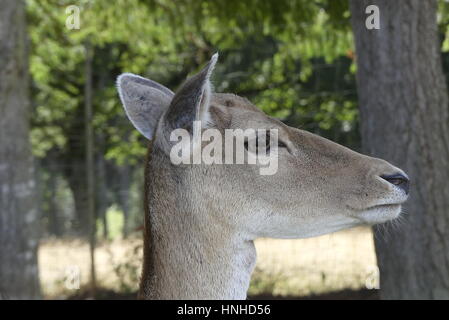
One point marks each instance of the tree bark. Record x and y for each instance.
(76, 176)
(54, 221)
(90, 178)
(75, 172)
(124, 173)
(404, 118)
(102, 191)
(18, 214)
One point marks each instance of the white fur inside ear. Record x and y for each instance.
(212, 63)
(203, 114)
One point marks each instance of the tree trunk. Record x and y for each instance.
(75, 172)
(90, 164)
(54, 221)
(18, 214)
(76, 176)
(123, 193)
(404, 119)
(102, 191)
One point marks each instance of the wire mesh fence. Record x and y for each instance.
(324, 104)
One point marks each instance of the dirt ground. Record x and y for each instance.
(336, 266)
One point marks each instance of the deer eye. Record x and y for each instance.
(258, 143)
(267, 143)
(281, 144)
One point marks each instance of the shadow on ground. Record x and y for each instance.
(363, 294)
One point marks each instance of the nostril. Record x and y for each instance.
(398, 180)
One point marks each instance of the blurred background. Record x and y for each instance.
(71, 164)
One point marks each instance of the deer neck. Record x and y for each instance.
(188, 253)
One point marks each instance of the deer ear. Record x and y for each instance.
(191, 101)
(144, 101)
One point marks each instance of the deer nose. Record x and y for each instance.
(399, 180)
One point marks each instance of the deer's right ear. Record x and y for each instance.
(144, 101)
(192, 100)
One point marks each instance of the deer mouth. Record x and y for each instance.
(379, 213)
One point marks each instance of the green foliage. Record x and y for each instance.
(291, 58)
(167, 40)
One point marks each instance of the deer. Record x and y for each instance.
(201, 220)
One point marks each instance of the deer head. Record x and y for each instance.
(319, 187)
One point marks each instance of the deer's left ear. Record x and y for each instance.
(191, 102)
